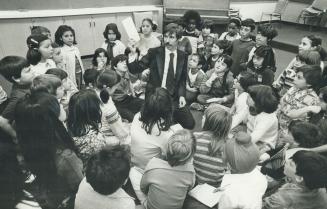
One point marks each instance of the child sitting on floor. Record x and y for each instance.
(218, 88)
(240, 109)
(208, 158)
(195, 78)
(306, 172)
(262, 125)
(300, 100)
(178, 170)
(106, 172)
(246, 185)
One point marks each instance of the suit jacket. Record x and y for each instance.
(155, 61)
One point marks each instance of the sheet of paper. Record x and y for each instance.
(204, 194)
(130, 29)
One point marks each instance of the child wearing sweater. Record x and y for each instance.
(177, 169)
(218, 88)
(195, 78)
(106, 172)
(242, 46)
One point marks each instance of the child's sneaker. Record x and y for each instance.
(197, 106)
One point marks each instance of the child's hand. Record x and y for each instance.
(132, 44)
(100, 65)
(314, 109)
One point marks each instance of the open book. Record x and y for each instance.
(205, 194)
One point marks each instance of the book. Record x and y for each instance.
(205, 194)
(130, 29)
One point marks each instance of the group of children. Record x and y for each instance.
(71, 137)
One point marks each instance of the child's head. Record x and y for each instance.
(194, 61)
(305, 134)
(111, 32)
(84, 112)
(62, 75)
(40, 133)
(265, 34)
(119, 64)
(207, 27)
(244, 80)
(157, 111)
(105, 82)
(310, 42)
(180, 148)
(221, 47)
(247, 27)
(263, 57)
(65, 35)
(323, 98)
(90, 77)
(192, 20)
(241, 153)
(107, 170)
(48, 83)
(41, 30)
(100, 55)
(148, 26)
(223, 64)
(39, 48)
(308, 76)
(309, 57)
(57, 55)
(234, 26)
(262, 98)
(16, 70)
(218, 122)
(307, 168)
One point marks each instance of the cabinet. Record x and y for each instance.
(88, 29)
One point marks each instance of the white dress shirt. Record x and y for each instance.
(167, 59)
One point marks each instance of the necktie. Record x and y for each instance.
(110, 49)
(170, 82)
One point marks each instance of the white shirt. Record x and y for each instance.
(167, 59)
(264, 129)
(241, 109)
(42, 67)
(243, 190)
(118, 49)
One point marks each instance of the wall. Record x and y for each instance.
(70, 4)
(253, 9)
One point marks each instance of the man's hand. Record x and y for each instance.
(182, 102)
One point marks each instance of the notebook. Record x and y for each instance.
(205, 194)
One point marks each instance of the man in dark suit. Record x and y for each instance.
(168, 69)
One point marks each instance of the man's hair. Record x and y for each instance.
(107, 170)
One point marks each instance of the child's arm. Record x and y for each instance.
(145, 183)
(6, 127)
(320, 149)
(294, 114)
(207, 82)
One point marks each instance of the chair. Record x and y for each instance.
(313, 12)
(278, 12)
